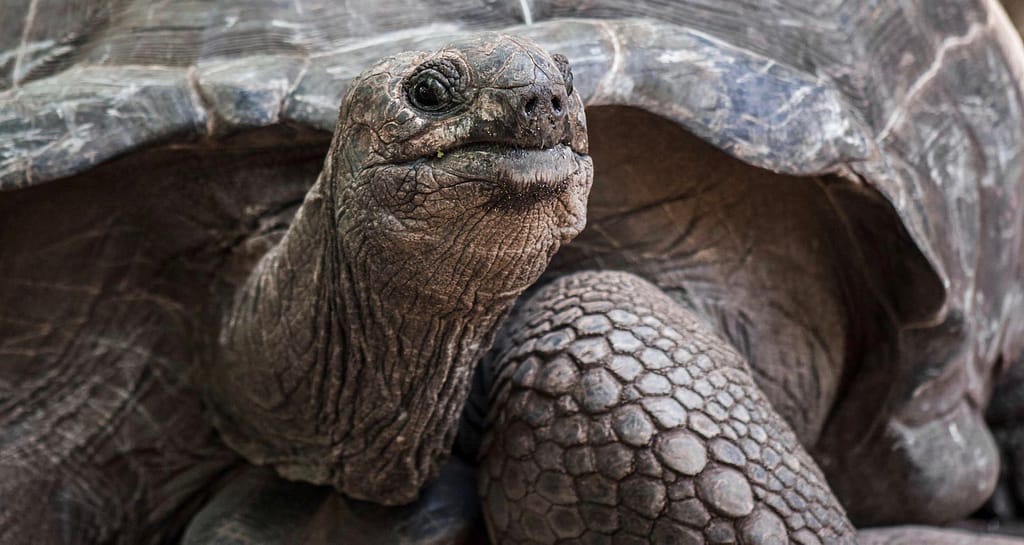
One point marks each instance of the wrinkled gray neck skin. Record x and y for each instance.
(346, 356)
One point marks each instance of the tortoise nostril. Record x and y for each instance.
(540, 115)
(556, 105)
(530, 106)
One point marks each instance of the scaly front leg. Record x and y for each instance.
(619, 418)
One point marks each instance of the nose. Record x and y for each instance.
(542, 117)
(549, 102)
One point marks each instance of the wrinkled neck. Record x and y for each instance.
(337, 374)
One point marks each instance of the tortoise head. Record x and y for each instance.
(452, 179)
(463, 165)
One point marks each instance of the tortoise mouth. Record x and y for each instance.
(523, 171)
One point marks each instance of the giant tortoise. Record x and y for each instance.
(803, 248)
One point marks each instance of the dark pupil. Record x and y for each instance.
(429, 93)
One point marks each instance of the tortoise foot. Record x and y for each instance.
(618, 418)
(923, 535)
(259, 507)
(934, 473)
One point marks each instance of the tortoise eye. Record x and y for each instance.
(436, 86)
(429, 94)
